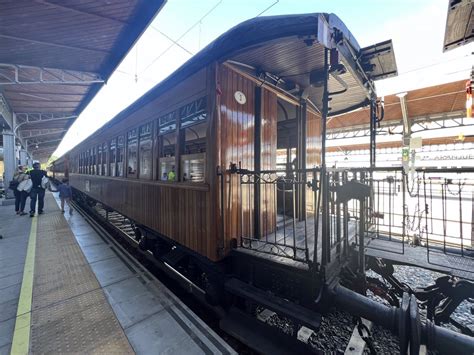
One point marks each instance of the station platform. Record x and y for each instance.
(66, 289)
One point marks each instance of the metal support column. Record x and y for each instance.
(257, 157)
(301, 188)
(23, 157)
(373, 132)
(8, 160)
(325, 237)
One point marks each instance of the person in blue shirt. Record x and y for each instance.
(65, 194)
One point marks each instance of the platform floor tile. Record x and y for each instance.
(70, 313)
(15, 230)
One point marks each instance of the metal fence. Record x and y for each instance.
(305, 215)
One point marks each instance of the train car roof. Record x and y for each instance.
(289, 49)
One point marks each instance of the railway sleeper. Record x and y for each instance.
(261, 337)
(252, 280)
(277, 304)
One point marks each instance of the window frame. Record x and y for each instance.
(131, 135)
(114, 162)
(141, 137)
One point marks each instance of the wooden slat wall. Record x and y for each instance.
(313, 140)
(237, 146)
(268, 161)
(177, 213)
(313, 152)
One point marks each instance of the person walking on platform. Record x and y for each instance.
(65, 194)
(38, 189)
(21, 191)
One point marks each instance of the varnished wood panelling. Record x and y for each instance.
(237, 146)
(313, 140)
(177, 213)
(313, 153)
(237, 127)
(268, 161)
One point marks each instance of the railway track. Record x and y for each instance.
(336, 329)
(333, 336)
(119, 231)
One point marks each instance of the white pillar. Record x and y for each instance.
(9, 160)
(23, 158)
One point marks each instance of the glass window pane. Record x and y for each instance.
(145, 153)
(167, 123)
(193, 112)
(132, 152)
(193, 154)
(99, 160)
(104, 159)
(120, 148)
(167, 157)
(112, 149)
(94, 162)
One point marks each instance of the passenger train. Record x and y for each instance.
(221, 166)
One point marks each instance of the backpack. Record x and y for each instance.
(45, 182)
(13, 184)
(25, 185)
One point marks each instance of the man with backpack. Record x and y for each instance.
(39, 179)
(19, 180)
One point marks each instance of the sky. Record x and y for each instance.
(416, 28)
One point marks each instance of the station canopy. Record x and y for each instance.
(55, 56)
(421, 106)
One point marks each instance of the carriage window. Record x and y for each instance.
(112, 156)
(88, 161)
(193, 157)
(120, 151)
(104, 159)
(80, 163)
(145, 153)
(193, 113)
(167, 123)
(94, 161)
(132, 151)
(91, 163)
(167, 157)
(99, 160)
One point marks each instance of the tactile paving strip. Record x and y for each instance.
(70, 313)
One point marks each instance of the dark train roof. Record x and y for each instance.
(290, 47)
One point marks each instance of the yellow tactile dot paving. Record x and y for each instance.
(69, 311)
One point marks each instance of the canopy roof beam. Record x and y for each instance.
(35, 133)
(82, 12)
(25, 118)
(5, 111)
(41, 143)
(52, 44)
(12, 74)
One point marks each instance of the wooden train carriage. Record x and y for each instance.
(253, 97)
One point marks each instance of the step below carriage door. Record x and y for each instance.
(265, 156)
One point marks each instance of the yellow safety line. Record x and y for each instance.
(21, 334)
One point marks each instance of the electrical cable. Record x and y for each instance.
(268, 8)
(180, 37)
(172, 40)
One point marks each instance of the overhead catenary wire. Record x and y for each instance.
(268, 8)
(180, 37)
(172, 40)
(198, 23)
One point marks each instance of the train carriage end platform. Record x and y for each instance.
(66, 289)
